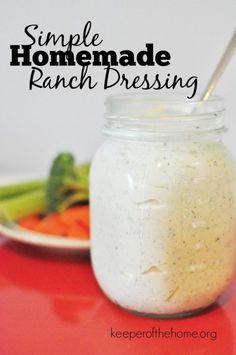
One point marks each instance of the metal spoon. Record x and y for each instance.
(225, 59)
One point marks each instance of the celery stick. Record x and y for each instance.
(14, 189)
(14, 208)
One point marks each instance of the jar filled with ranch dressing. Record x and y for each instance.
(163, 205)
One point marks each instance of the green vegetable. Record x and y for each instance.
(67, 183)
(14, 208)
(11, 190)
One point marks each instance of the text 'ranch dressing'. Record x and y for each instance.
(163, 206)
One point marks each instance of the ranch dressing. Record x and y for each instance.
(163, 211)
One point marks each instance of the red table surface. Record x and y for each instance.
(50, 304)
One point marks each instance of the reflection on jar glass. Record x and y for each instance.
(163, 205)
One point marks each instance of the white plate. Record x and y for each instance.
(14, 232)
(23, 235)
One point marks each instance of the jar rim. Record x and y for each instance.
(150, 115)
(151, 105)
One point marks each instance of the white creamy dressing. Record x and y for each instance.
(163, 223)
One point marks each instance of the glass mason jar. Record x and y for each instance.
(163, 205)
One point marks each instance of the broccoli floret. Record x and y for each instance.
(67, 183)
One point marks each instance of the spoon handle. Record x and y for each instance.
(229, 52)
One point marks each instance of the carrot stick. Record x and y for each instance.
(79, 214)
(29, 222)
(76, 230)
(71, 223)
(51, 224)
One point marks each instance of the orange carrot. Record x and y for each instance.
(79, 214)
(77, 230)
(72, 223)
(51, 224)
(29, 222)
(84, 215)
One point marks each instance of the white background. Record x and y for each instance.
(36, 124)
